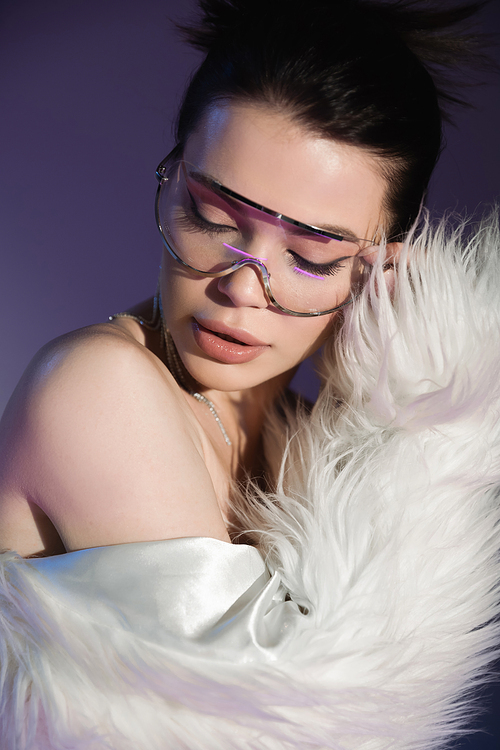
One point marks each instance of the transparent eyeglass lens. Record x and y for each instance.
(307, 272)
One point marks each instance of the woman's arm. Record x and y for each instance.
(99, 447)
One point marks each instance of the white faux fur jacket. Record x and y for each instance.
(376, 618)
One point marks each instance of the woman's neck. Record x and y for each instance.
(243, 414)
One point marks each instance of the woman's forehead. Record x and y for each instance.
(262, 154)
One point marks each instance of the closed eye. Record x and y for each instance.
(193, 214)
(315, 269)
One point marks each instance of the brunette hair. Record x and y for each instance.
(352, 70)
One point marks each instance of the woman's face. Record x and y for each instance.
(227, 333)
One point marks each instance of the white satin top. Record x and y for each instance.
(196, 594)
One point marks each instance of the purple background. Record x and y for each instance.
(88, 90)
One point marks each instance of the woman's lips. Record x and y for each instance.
(243, 349)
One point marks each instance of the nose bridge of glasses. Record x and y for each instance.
(252, 263)
(246, 278)
(243, 257)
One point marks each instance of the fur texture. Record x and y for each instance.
(384, 527)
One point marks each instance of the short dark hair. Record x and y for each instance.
(351, 70)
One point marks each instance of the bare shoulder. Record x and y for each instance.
(98, 441)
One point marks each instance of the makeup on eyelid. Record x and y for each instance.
(326, 268)
(323, 268)
(295, 227)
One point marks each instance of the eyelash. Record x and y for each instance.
(318, 269)
(192, 219)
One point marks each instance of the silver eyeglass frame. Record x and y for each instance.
(162, 178)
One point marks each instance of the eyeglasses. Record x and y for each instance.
(214, 231)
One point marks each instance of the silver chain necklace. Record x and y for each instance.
(173, 361)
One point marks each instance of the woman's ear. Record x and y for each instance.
(392, 253)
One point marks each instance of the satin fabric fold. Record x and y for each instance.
(196, 594)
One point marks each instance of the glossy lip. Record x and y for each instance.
(226, 352)
(236, 333)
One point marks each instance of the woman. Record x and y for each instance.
(124, 443)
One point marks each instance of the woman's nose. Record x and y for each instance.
(244, 287)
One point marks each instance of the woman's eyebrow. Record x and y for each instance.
(294, 226)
